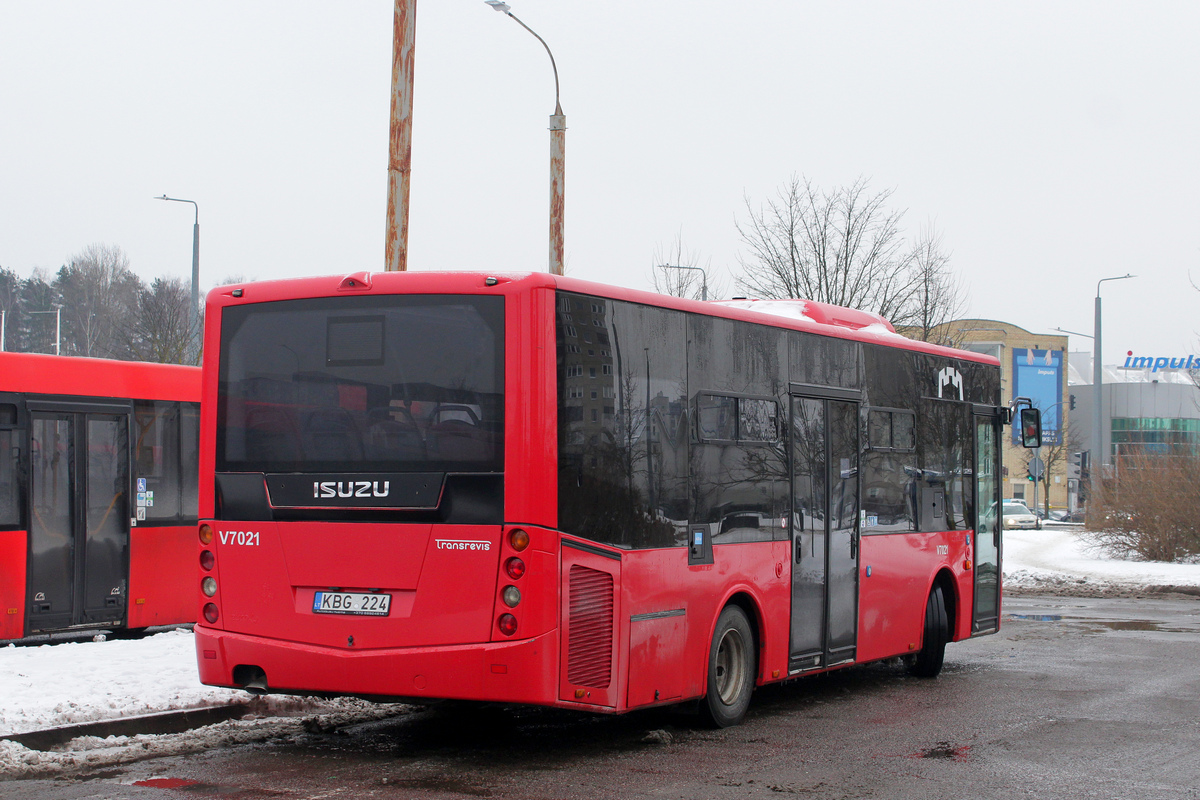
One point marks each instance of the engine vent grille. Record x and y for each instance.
(589, 645)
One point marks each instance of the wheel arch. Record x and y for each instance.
(945, 579)
(749, 604)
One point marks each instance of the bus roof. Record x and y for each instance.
(39, 373)
(802, 315)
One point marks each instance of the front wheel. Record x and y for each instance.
(731, 669)
(928, 662)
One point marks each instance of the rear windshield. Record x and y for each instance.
(362, 384)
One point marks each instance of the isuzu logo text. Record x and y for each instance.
(350, 489)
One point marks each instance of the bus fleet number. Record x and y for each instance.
(239, 537)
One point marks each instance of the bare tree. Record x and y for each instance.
(940, 297)
(161, 327)
(843, 247)
(688, 282)
(99, 296)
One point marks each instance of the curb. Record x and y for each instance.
(163, 722)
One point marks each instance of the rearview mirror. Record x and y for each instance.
(1031, 427)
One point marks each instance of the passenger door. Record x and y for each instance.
(825, 531)
(986, 613)
(79, 516)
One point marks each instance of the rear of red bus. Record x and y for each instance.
(377, 488)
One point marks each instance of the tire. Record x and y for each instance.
(928, 662)
(732, 670)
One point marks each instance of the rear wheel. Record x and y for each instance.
(929, 659)
(731, 669)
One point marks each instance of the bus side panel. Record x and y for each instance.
(652, 581)
(163, 575)
(13, 546)
(531, 415)
(901, 567)
(591, 627)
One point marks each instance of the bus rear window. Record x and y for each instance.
(396, 383)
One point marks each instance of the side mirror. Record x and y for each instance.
(1031, 427)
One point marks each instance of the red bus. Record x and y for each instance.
(98, 479)
(533, 489)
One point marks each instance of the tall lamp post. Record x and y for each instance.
(194, 314)
(558, 144)
(1100, 454)
(57, 312)
(703, 277)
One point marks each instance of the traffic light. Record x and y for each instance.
(1072, 403)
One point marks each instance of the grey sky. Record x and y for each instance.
(1051, 143)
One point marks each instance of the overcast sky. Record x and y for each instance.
(1051, 143)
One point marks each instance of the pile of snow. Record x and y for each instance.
(1066, 560)
(51, 685)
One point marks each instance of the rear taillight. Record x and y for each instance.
(210, 613)
(206, 534)
(511, 596)
(207, 560)
(514, 568)
(208, 586)
(507, 623)
(518, 539)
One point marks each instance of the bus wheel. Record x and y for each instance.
(731, 670)
(928, 662)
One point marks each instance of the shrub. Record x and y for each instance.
(1150, 508)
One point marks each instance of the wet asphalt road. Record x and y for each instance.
(1075, 698)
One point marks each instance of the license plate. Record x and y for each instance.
(360, 603)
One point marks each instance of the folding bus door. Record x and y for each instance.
(79, 516)
(825, 520)
(986, 614)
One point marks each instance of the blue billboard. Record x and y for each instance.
(1037, 374)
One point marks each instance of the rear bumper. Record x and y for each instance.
(523, 671)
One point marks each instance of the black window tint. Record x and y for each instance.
(156, 449)
(623, 429)
(757, 420)
(8, 414)
(10, 487)
(395, 383)
(879, 429)
(189, 458)
(717, 416)
(822, 361)
(740, 486)
(903, 431)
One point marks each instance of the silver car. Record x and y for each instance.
(1017, 516)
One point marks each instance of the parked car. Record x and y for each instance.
(1017, 516)
(1059, 514)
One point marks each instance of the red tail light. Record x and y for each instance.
(207, 559)
(507, 623)
(211, 615)
(514, 567)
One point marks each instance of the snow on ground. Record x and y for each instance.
(45, 686)
(1064, 560)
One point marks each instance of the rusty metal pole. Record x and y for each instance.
(558, 151)
(558, 157)
(404, 34)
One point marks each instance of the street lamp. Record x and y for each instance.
(1098, 395)
(193, 316)
(558, 143)
(703, 277)
(57, 312)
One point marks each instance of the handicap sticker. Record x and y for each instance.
(141, 484)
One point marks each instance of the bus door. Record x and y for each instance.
(79, 515)
(986, 615)
(825, 530)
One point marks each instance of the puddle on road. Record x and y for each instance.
(1113, 625)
